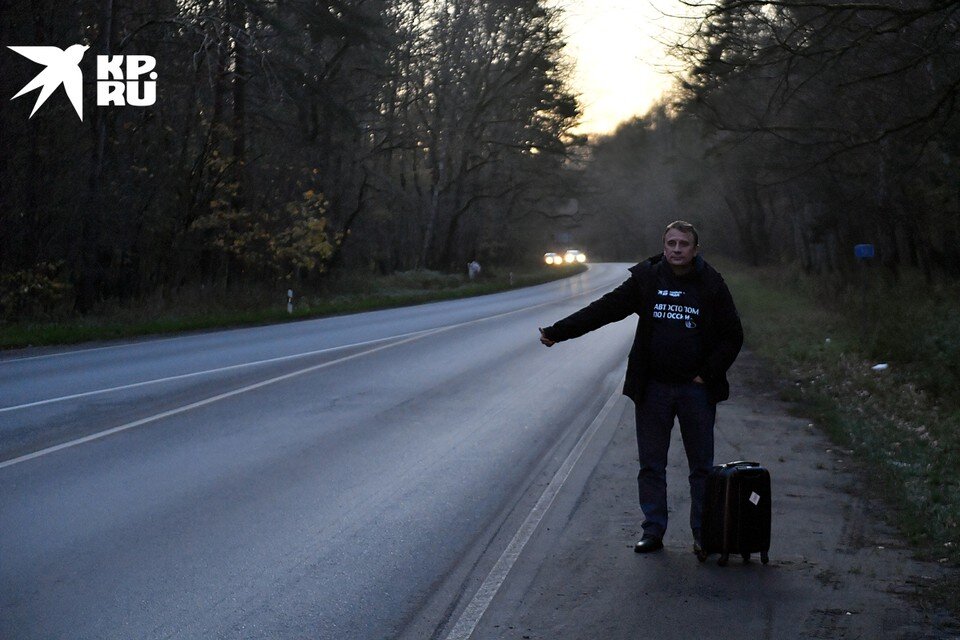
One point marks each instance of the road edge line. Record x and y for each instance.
(201, 403)
(477, 607)
(263, 383)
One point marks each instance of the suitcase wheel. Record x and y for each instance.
(724, 558)
(745, 556)
(764, 558)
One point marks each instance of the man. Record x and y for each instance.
(688, 336)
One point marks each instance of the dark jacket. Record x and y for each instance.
(722, 331)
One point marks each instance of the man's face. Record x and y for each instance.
(679, 249)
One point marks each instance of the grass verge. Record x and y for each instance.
(349, 294)
(902, 423)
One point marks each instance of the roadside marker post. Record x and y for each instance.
(864, 253)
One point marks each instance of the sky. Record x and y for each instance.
(620, 65)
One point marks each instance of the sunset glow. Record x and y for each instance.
(621, 65)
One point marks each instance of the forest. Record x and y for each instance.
(289, 139)
(798, 130)
(295, 139)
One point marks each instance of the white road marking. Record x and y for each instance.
(206, 401)
(155, 340)
(264, 383)
(44, 356)
(182, 376)
(481, 600)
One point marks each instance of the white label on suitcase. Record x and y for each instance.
(755, 498)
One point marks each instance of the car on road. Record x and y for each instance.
(571, 256)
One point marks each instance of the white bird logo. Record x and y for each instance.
(63, 67)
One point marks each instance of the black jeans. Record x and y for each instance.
(662, 402)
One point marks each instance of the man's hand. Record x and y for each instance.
(544, 340)
(699, 380)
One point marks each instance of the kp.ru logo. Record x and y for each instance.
(120, 79)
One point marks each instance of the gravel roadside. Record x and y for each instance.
(836, 571)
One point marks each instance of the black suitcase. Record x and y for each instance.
(736, 512)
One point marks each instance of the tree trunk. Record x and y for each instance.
(237, 19)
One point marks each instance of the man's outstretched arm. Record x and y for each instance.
(612, 307)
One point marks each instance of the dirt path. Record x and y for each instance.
(835, 570)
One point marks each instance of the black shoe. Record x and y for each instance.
(698, 550)
(648, 543)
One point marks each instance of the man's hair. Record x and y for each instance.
(684, 226)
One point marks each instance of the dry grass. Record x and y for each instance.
(198, 309)
(902, 423)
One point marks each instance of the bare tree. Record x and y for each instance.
(844, 103)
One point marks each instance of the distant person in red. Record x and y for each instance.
(688, 335)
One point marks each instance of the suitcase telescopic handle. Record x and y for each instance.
(740, 463)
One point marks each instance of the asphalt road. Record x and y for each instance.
(320, 479)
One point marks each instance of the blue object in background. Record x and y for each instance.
(863, 251)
